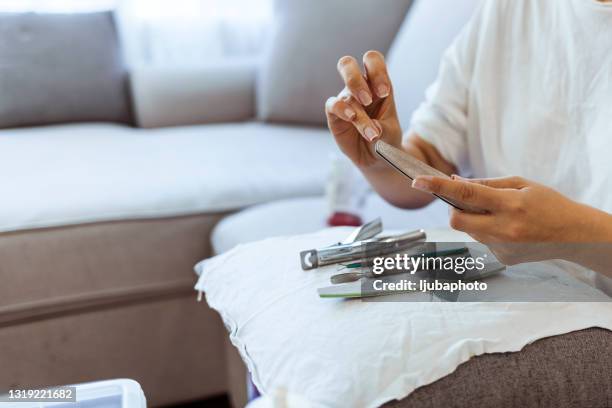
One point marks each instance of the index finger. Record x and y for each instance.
(472, 194)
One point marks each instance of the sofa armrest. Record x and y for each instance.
(188, 96)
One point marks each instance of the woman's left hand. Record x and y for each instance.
(519, 211)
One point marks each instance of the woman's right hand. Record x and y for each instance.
(364, 111)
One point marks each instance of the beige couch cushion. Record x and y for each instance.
(71, 174)
(193, 95)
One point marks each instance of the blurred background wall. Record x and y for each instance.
(175, 33)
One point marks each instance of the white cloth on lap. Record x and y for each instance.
(353, 353)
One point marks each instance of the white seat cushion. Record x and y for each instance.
(69, 174)
(303, 215)
(363, 353)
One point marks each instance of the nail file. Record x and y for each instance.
(412, 168)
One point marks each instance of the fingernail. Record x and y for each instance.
(421, 183)
(349, 113)
(370, 133)
(383, 91)
(365, 98)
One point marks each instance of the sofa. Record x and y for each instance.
(116, 176)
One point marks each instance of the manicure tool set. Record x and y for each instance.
(356, 253)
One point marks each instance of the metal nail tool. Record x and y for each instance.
(361, 244)
(365, 270)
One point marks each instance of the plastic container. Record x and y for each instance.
(120, 393)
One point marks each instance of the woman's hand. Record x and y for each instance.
(364, 111)
(520, 212)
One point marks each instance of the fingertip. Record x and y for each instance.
(370, 134)
(382, 91)
(345, 61)
(365, 98)
(350, 114)
(422, 183)
(455, 219)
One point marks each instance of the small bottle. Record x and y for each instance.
(346, 192)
